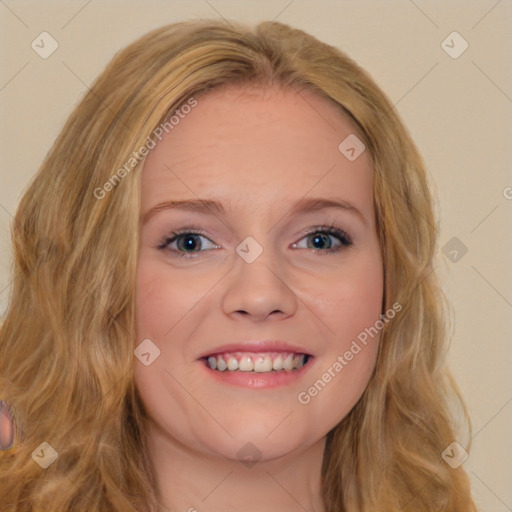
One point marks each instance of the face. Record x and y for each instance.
(284, 263)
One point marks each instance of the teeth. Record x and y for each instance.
(232, 364)
(278, 363)
(288, 362)
(261, 363)
(246, 364)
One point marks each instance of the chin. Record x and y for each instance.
(251, 449)
(265, 440)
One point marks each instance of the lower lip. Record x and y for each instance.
(258, 380)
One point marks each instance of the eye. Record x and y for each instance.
(185, 242)
(321, 242)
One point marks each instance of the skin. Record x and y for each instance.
(256, 150)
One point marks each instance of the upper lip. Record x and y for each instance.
(257, 346)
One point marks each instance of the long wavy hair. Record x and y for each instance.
(66, 344)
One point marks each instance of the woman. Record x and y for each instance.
(224, 294)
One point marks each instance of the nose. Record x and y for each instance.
(258, 289)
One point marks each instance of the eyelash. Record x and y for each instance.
(344, 238)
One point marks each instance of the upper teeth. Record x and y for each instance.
(256, 362)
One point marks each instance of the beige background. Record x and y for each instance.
(459, 111)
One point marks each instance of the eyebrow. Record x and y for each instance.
(211, 206)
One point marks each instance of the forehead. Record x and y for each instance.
(252, 145)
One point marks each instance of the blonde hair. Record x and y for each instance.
(66, 345)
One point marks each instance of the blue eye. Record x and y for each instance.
(187, 241)
(320, 239)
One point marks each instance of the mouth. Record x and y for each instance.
(256, 362)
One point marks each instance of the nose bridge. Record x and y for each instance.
(258, 283)
(256, 220)
(258, 261)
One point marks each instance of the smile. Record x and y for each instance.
(260, 362)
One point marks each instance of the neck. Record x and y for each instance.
(190, 480)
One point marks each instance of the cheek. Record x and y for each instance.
(152, 300)
(349, 306)
(163, 299)
(352, 301)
